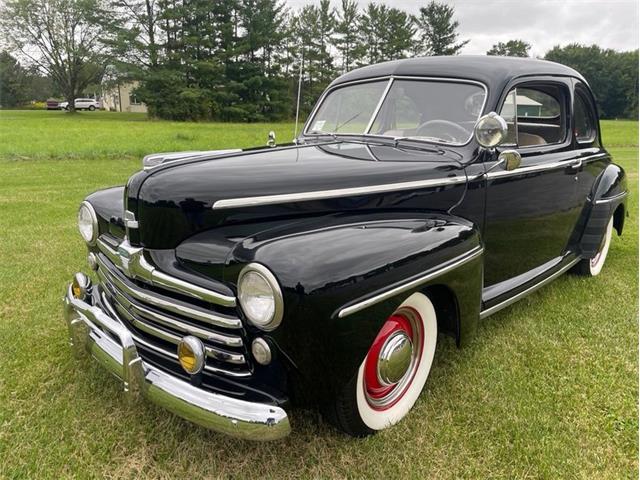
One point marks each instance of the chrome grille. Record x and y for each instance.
(159, 320)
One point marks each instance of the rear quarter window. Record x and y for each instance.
(584, 118)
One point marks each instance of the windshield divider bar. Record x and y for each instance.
(378, 106)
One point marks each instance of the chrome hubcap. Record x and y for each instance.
(395, 358)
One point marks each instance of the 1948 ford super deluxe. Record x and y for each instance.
(229, 285)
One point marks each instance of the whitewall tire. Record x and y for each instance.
(381, 394)
(591, 267)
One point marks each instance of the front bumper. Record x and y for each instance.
(107, 340)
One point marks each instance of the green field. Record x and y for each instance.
(547, 389)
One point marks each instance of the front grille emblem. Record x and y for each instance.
(129, 257)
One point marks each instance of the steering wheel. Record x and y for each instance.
(443, 129)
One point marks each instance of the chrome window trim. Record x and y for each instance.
(490, 311)
(376, 111)
(392, 292)
(392, 78)
(336, 193)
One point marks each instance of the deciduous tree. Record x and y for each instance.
(612, 75)
(63, 38)
(512, 48)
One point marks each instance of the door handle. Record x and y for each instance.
(575, 164)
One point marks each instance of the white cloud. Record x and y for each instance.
(542, 23)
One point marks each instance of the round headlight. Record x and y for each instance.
(260, 296)
(88, 223)
(491, 130)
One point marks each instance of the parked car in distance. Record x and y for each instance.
(52, 104)
(422, 196)
(81, 104)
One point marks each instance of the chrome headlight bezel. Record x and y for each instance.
(263, 273)
(94, 223)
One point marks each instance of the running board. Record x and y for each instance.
(531, 289)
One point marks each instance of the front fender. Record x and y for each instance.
(328, 265)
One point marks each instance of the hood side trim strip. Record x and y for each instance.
(336, 193)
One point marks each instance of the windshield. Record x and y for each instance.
(433, 110)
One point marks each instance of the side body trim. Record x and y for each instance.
(336, 193)
(531, 289)
(615, 198)
(542, 167)
(453, 264)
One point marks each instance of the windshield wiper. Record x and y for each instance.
(417, 143)
(320, 135)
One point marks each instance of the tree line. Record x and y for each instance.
(240, 60)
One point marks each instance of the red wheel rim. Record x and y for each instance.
(380, 396)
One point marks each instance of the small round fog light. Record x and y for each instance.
(92, 260)
(80, 285)
(191, 354)
(261, 351)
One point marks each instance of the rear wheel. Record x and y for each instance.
(590, 267)
(91, 108)
(391, 377)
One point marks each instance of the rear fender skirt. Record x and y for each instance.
(609, 193)
(343, 275)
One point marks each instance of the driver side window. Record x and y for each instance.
(535, 115)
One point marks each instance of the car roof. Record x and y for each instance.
(490, 70)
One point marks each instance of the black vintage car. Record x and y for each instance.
(229, 285)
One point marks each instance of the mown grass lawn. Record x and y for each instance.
(547, 389)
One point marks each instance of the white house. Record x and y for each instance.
(120, 98)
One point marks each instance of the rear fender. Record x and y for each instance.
(608, 197)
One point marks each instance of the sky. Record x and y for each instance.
(541, 23)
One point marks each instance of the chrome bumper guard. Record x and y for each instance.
(116, 351)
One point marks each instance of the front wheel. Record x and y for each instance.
(590, 267)
(392, 375)
(91, 108)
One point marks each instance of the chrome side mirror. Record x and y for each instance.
(271, 141)
(490, 130)
(510, 160)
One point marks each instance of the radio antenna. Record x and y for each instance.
(295, 133)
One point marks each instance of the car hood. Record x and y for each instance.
(177, 200)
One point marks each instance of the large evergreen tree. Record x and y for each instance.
(347, 41)
(371, 24)
(313, 27)
(437, 30)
